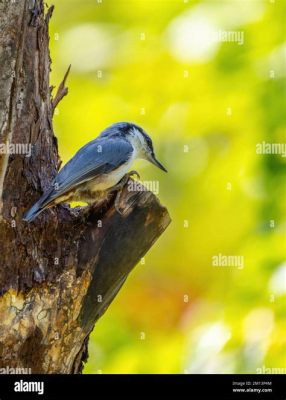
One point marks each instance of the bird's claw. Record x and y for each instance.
(133, 173)
(120, 187)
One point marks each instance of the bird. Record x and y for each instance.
(98, 168)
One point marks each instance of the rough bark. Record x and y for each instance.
(59, 274)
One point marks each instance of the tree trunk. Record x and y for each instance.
(59, 274)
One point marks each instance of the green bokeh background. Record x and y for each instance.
(206, 103)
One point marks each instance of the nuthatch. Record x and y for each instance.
(98, 167)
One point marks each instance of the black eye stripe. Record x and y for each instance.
(127, 128)
(148, 140)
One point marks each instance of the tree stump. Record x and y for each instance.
(59, 274)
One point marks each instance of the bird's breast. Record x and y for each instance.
(107, 181)
(96, 189)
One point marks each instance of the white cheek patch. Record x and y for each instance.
(139, 143)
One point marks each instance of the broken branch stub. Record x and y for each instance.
(58, 274)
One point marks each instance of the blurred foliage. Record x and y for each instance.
(206, 103)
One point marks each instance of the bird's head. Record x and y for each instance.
(139, 139)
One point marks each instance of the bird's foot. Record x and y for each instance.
(133, 172)
(119, 187)
(125, 179)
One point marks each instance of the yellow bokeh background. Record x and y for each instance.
(206, 80)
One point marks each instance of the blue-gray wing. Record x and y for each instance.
(100, 156)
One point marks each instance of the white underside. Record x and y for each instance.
(106, 181)
(99, 187)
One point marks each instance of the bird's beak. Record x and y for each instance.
(154, 161)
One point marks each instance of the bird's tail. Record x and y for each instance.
(38, 207)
